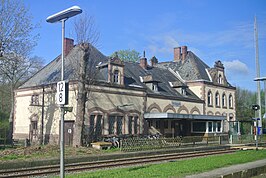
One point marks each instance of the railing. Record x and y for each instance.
(142, 144)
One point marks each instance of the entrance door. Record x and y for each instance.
(68, 131)
(33, 132)
(178, 128)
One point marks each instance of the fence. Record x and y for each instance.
(243, 139)
(141, 144)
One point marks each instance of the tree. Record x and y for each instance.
(127, 55)
(86, 35)
(244, 113)
(16, 43)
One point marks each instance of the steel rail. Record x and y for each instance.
(75, 167)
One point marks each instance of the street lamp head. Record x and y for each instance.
(65, 14)
(260, 79)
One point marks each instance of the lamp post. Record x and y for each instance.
(62, 16)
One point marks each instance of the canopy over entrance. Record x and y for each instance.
(183, 116)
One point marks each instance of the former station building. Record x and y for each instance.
(182, 97)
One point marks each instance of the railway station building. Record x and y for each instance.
(181, 97)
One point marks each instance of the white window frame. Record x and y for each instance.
(209, 98)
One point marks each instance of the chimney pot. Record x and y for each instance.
(68, 45)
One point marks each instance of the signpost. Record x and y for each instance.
(61, 92)
(62, 16)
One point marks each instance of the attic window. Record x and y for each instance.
(220, 79)
(115, 77)
(154, 87)
(183, 91)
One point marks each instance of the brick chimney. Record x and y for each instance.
(177, 54)
(153, 61)
(184, 53)
(143, 63)
(68, 45)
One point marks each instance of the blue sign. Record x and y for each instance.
(259, 131)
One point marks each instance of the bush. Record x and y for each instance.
(4, 125)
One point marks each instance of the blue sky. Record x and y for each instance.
(212, 29)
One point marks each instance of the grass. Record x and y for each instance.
(178, 168)
(46, 152)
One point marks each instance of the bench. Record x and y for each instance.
(101, 145)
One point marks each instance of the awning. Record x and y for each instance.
(182, 116)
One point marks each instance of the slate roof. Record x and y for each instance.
(192, 69)
(51, 73)
(162, 76)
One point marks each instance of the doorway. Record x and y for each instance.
(68, 132)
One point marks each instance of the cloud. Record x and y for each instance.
(162, 44)
(236, 67)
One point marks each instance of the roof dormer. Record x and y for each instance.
(179, 87)
(116, 71)
(150, 82)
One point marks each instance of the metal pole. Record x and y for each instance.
(42, 139)
(264, 102)
(258, 113)
(62, 149)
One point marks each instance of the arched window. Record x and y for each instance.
(115, 122)
(93, 126)
(209, 98)
(217, 99)
(133, 124)
(224, 100)
(116, 76)
(230, 101)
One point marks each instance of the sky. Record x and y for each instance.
(212, 29)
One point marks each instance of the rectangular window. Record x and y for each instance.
(91, 128)
(119, 125)
(130, 124)
(218, 126)
(214, 126)
(136, 118)
(111, 124)
(98, 129)
(35, 100)
(198, 126)
(154, 86)
(210, 127)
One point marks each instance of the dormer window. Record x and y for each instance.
(116, 77)
(183, 91)
(150, 82)
(154, 86)
(220, 79)
(180, 87)
(114, 69)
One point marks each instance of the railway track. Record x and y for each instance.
(87, 166)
